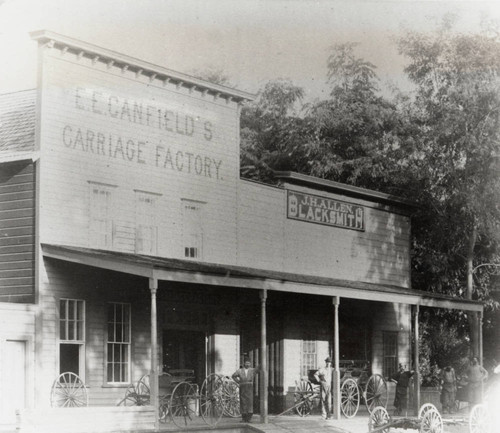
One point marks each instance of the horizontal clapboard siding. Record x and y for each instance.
(97, 288)
(17, 232)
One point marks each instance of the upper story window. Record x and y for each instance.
(192, 233)
(146, 226)
(101, 215)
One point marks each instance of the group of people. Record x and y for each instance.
(475, 375)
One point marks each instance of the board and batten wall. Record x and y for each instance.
(268, 239)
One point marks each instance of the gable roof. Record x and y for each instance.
(17, 125)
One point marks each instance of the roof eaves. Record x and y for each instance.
(139, 66)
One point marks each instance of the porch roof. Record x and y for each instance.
(188, 271)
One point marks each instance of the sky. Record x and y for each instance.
(251, 41)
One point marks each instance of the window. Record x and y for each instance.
(309, 356)
(192, 234)
(101, 219)
(390, 341)
(118, 344)
(71, 336)
(146, 227)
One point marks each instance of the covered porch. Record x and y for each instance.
(163, 274)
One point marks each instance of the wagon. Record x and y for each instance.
(182, 401)
(356, 386)
(428, 420)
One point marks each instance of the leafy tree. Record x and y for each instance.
(457, 106)
(272, 132)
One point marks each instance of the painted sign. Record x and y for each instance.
(322, 210)
(162, 152)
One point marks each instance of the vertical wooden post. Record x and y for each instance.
(480, 343)
(336, 360)
(263, 358)
(153, 374)
(416, 365)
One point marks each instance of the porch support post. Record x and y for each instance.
(336, 360)
(480, 338)
(153, 374)
(416, 365)
(263, 358)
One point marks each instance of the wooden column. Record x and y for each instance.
(480, 343)
(336, 361)
(153, 374)
(416, 365)
(263, 358)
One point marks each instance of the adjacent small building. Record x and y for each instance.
(130, 245)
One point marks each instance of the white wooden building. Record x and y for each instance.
(126, 231)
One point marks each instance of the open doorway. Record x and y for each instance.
(185, 350)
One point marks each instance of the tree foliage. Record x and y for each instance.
(439, 146)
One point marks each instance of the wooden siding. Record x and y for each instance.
(267, 239)
(97, 288)
(69, 87)
(17, 232)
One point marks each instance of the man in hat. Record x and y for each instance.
(324, 377)
(245, 377)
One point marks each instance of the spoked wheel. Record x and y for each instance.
(130, 398)
(231, 398)
(424, 408)
(431, 421)
(143, 391)
(164, 410)
(211, 399)
(183, 404)
(379, 417)
(303, 396)
(375, 392)
(68, 390)
(479, 419)
(349, 399)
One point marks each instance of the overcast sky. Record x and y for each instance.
(252, 41)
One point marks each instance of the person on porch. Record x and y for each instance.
(245, 377)
(324, 377)
(402, 379)
(449, 389)
(476, 374)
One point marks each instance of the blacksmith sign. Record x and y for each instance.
(322, 210)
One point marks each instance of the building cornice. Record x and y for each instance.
(293, 178)
(140, 67)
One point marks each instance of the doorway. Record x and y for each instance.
(185, 350)
(13, 380)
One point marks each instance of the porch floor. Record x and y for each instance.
(296, 424)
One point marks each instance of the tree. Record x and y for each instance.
(457, 106)
(272, 132)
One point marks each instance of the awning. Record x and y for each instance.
(187, 271)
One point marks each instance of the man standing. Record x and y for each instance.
(402, 379)
(449, 390)
(324, 377)
(244, 377)
(475, 376)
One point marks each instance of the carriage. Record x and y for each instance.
(357, 386)
(180, 399)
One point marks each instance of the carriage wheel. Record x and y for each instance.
(479, 419)
(130, 397)
(375, 392)
(211, 401)
(378, 418)
(431, 421)
(303, 396)
(68, 390)
(183, 404)
(143, 391)
(349, 399)
(424, 408)
(231, 398)
(164, 409)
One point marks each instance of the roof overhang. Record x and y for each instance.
(139, 66)
(186, 271)
(29, 156)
